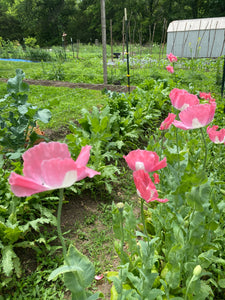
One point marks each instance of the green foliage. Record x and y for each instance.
(78, 274)
(48, 20)
(138, 263)
(183, 233)
(97, 130)
(56, 73)
(18, 218)
(18, 117)
(123, 123)
(30, 42)
(37, 55)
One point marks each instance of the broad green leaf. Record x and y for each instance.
(62, 270)
(43, 115)
(178, 233)
(80, 279)
(22, 109)
(198, 196)
(207, 258)
(116, 283)
(16, 84)
(135, 281)
(190, 180)
(173, 276)
(95, 296)
(154, 293)
(221, 283)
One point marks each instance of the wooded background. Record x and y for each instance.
(46, 20)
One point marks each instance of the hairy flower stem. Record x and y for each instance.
(177, 148)
(122, 252)
(193, 278)
(59, 212)
(220, 156)
(143, 221)
(205, 145)
(162, 140)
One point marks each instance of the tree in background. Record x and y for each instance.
(46, 20)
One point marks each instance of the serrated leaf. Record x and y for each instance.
(12, 234)
(7, 259)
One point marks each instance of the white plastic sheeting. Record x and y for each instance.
(197, 37)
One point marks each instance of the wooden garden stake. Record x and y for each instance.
(127, 52)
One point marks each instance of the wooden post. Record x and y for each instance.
(78, 41)
(104, 51)
(223, 78)
(123, 35)
(72, 46)
(127, 53)
(111, 39)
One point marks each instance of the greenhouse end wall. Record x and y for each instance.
(184, 42)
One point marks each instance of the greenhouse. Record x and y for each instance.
(197, 37)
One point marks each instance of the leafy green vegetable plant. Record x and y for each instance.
(19, 118)
(18, 218)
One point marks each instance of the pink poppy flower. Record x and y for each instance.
(211, 100)
(175, 93)
(145, 187)
(49, 166)
(170, 69)
(99, 277)
(217, 137)
(171, 57)
(181, 99)
(166, 124)
(196, 116)
(156, 178)
(205, 96)
(145, 160)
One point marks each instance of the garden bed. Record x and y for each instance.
(110, 87)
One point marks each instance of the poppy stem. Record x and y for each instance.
(59, 212)
(122, 251)
(206, 152)
(162, 140)
(176, 134)
(143, 221)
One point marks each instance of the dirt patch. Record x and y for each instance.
(81, 209)
(57, 135)
(89, 86)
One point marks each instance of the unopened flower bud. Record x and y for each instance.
(120, 206)
(197, 270)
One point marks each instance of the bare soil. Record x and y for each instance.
(111, 87)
